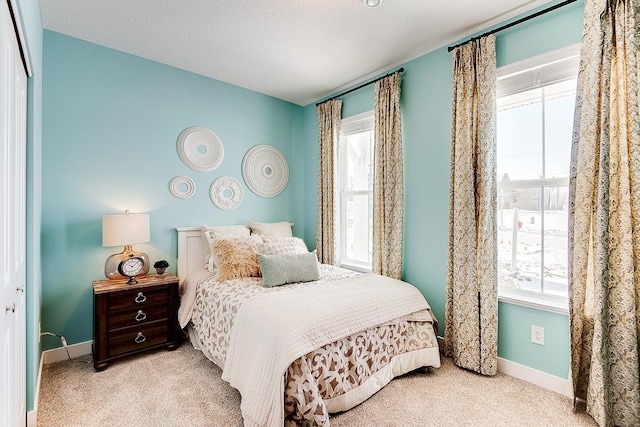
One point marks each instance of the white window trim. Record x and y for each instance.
(349, 126)
(538, 301)
(542, 70)
(356, 266)
(357, 123)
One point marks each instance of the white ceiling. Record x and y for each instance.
(296, 50)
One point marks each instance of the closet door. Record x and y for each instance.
(13, 91)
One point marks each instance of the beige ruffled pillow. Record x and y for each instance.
(236, 258)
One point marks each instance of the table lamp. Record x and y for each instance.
(126, 230)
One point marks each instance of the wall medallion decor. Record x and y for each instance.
(182, 187)
(200, 149)
(265, 170)
(226, 193)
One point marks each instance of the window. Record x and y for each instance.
(355, 171)
(535, 108)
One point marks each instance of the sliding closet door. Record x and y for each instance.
(13, 96)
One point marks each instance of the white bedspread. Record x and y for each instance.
(188, 290)
(271, 332)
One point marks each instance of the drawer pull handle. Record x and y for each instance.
(10, 308)
(140, 338)
(141, 316)
(140, 298)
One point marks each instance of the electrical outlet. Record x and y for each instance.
(537, 335)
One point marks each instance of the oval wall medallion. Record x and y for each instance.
(182, 187)
(200, 149)
(226, 193)
(265, 170)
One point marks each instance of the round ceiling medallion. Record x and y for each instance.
(182, 187)
(265, 170)
(226, 193)
(200, 149)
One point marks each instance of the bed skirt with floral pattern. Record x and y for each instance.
(332, 378)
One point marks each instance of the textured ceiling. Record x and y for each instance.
(296, 50)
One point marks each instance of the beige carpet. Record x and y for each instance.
(182, 388)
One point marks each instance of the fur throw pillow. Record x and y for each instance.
(236, 258)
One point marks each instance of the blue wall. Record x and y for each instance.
(110, 125)
(32, 28)
(426, 126)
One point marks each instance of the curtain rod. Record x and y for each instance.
(514, 23)
(20, 39)
(361, 86)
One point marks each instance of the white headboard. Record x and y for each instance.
(190, 251)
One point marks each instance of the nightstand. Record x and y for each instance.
(130, 319)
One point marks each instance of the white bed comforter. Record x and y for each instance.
(285, 329)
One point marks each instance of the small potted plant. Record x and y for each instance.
(160, 266)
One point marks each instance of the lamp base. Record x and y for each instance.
(112, 263)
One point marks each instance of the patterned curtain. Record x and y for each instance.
(388, 189)
(604, 216)
(328, 133)
(471, 306)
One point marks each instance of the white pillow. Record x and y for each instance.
(224, 230)
(281, 229)
(282, 245)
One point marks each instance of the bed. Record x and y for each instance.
(315, 340)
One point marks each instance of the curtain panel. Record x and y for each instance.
(328, 135)
(388, 189)
(604, 216)
(471, 305)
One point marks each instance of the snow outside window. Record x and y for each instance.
(535, 109)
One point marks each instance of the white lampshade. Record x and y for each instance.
(123, 230)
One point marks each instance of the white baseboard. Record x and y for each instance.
(32, 416)
(525, 373)
(52, 356)
(539, 378)
(59, 354)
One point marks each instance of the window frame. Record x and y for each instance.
(537, 72)
(359, 123)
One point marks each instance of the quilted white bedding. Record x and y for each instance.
(268, 340)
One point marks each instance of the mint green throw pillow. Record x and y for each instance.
(288, 268)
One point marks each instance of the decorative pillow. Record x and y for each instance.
(282, 245)
(224, 230)
(281, 229)
(235, 258)
(288, 268)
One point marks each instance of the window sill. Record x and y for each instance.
(548, 303)
(361, 268)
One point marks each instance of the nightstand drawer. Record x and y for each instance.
(138, 316)
(135, 338)
(138, 298)
(131, 319)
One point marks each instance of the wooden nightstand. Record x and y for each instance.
(132, 318)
